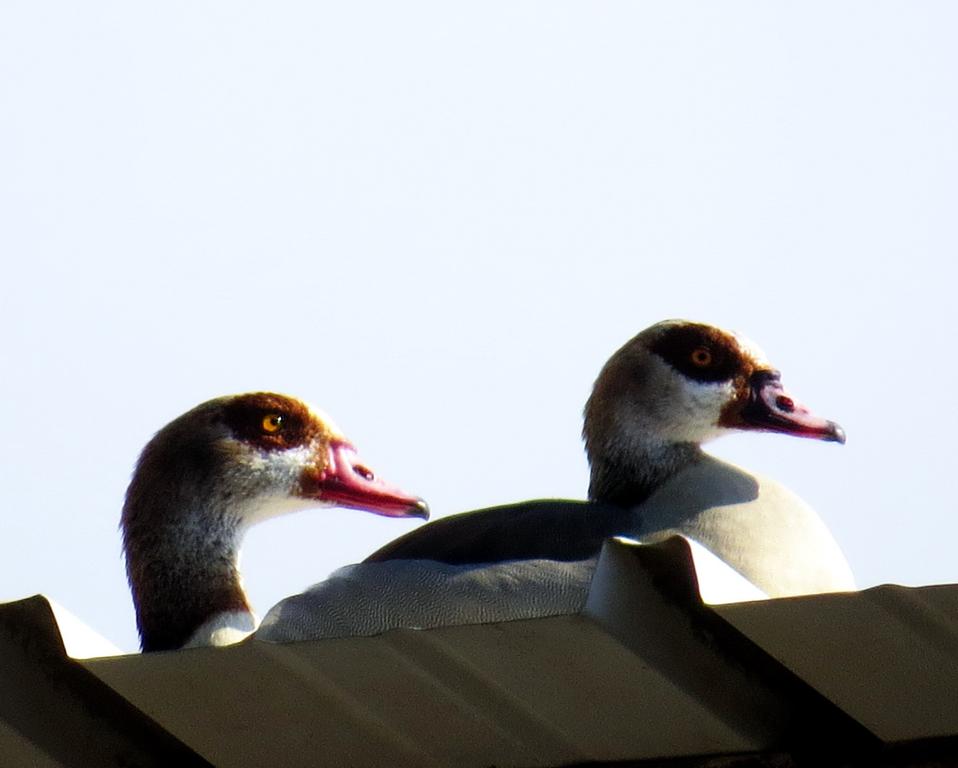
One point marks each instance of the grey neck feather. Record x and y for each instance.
(182, 566)
(626, 472)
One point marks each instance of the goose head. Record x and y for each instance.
(203, 480)
(673, 387)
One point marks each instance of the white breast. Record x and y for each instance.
(223, 629)
(754, 524)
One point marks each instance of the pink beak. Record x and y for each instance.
(772, 409)
(347, 482)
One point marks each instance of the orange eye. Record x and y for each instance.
(701, 357)
(272, 423)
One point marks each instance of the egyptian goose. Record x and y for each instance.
(203, 480)
(673, 387)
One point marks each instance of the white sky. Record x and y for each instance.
(436, 220)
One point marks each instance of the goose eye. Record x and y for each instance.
(272, 423)
(701, 357)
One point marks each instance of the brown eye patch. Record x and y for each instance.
(699, 352)
(269, 421)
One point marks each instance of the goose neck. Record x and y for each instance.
(183, 573)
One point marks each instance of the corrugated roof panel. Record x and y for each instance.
(888, 656)
(646, 673)
(537, 693)
(50, 704)
(16, 749)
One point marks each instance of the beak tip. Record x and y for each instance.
(421, 509)
(838, 434)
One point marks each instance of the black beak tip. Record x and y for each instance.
(837, 433)
(421, 508)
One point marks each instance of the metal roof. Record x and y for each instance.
(645, 674)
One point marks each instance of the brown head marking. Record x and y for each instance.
(272, 422)
(701, 352)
